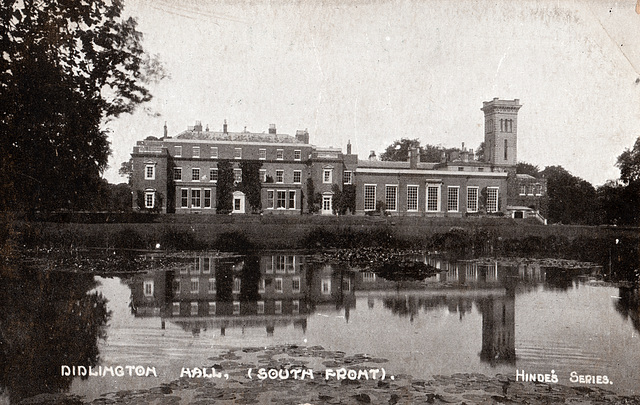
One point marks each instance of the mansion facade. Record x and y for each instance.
(182, 174)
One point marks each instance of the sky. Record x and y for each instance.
(373, 71)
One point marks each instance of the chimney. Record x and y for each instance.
(302, 136)
(349, 147)
(443, 157)
(165, 129)
(272, 129)
(207, 128)
(463, 149)
(198, 126)
(372, 155)
(413, 158)
(224, 127)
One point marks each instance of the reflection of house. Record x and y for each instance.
(180, 174)
(149, 293)
(332, 288)
(498, 329)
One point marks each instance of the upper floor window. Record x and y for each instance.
(195, 174)
(177, 173)
(263, 175)
(214, 152)
(279, 154)
(262, 154)
(150, 172)
(196, 151)
(505, 149)
(177, 151)
(297, 155)
(279, 176)
(237, 153)
(213, 174)
(297, 176)
(346, 177)
(327, 176)
(237, 175)
(523, 189)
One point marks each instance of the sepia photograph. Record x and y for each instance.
(319, 202)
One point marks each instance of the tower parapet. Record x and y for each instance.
(501, 131)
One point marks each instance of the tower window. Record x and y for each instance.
(505, 149)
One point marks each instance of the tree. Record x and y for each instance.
(251, 185)
(480, 152)
(629, 164)
(527, 168)
(399, 151)
(66, 68)
(572, 200)
(224, 189)
(126, 170)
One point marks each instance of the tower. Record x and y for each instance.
(501, 132)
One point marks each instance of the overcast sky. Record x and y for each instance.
(378, 70)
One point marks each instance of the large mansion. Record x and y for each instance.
(183, 174)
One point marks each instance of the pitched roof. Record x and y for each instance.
(237, 137)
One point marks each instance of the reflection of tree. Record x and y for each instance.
(558, 279)
(629, 305)
(47, 320)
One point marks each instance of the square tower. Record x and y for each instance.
(501, 131)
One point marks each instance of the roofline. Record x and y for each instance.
(219, 142)
(382, 170)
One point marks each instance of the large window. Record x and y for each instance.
(492, 199)
(297, 176)
(207, 198)
(195, 174)
(270, 199)
(327, 176)
(292, 199)
(184, 198)
(391, 198)
(346, 177)
(195, 198)
(472, 199)
(452, 198)
(177, 173)
(150, 172)
(412, 198)
(281, 201)
(279, 176)
(369, 197)
(433, 198)
(213, 174)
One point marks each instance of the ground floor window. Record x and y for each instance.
(412, 198)
(369, 197)
(292, 199)
(391, 198)
(472, 199)
(270, 194)
(492, 199)
(326, 203)
(281, 199)
(149, 199)
(184, 198)
(433, 198)
(207, 198)
(195, 198)
(452, 199)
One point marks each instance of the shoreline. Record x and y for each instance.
(467, 388)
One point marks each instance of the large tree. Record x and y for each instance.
(66, 68)
(572, 200)
(629, 164)
(399, 151)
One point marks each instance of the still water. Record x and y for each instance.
(487, 316)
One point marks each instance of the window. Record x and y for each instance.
(237, 153)
(279, 154)
(281, 199)
(212, 307)
(148, 288)
(369, 197)
(149, 199)
(505, 149)
(262, 154)
(214, 152)
(184, 198)
(531, 189)
(262, 285)
(150, 172)
(412, 198)
(278, 307)
(295, 284)
(263, 175)
(461, 169)
(481, 169)
(177, 173)
(194, 308)
(278, 285)
(206, 265)
(327, 176)
(433, 198)
(175, 308)
(279, 176)
(195, 285)
(538, 189)
(297, 155)
(326, 286)
(492, 199)
(177, 151)
(452, 199)
(270, 199)
(236, 285)
(391, 198)
(176, 285)
(236, 307)
(297, 176)
(346, 177)
(195, 198)
(213, 174)
(523, 189)
(195, 174)
(295, 306)
(211, 286)
(281, 264)
(207, 198)
(260, 307)
(472, 199)
(196, 151)
(292, 199)
(237, 175)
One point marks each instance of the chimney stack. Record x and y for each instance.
(224, 127)
(302, 136)
(272, 129)
(372, 155)
(413, 158)
(165, 129)
(349, 147)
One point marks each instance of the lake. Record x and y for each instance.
(491, 316)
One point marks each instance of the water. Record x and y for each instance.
(482, 316)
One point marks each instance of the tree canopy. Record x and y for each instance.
(629, 164)
(572, 200)
(527, 168)
(66, 68)
(399, 151)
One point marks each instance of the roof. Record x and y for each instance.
(393, 164)
(237, 137)
(525, 176)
